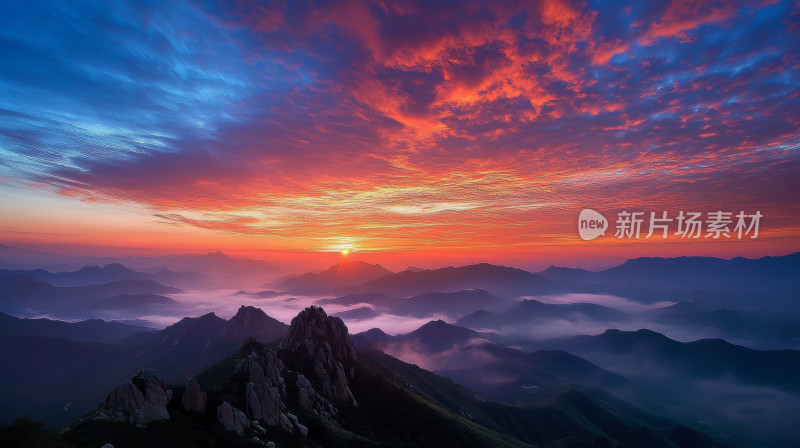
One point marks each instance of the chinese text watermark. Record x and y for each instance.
(687, 224)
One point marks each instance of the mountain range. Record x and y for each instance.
(713, 282)
(710, 282)
(313, 388)
(452, 304)
(59, 363)
(740, 391)
(209, 269)
(473, 360)
(343, 275)
(91, 275)
(26, 296)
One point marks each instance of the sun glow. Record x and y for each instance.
(345, 252)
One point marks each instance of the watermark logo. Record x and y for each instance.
(694, 225)
(591, 224)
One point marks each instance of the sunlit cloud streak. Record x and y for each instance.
(404, 126)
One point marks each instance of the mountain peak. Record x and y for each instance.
(116, 267)
(313, 324)
(343, 275)
(253, 322)
(323, 341)
(439, 329)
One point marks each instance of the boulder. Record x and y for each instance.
(194, 399)
(292, 418)
(264, 403)
(125, 398)
(285, 423)
(156, 397)
(140, 401)
(232, 419)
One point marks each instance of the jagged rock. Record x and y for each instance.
(264, 403)
(302, 398)
(265, 387)
(140, 401)
(194, 399)
(257, 427)
(232, 419)
(309, 399)
(125, 398)
(285, 423)
(314, 324)
(256, 373)
(293, 418)
(156, 397)
(327, 342)
(341, 390)
(270, 444)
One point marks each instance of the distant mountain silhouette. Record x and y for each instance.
(371, 337)
(361, 313)
(687, 314)
(500, 280)
(26, 296)
(438, 335)
(529, 312)
(94, 330)
(715, 282)
(90, 275)
(742, 392)
(214, 265)
(343, 275)
(453, 304)
(704, 358)
(261, 294)
(372, 298)
(472, 359)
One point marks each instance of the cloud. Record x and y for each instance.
(307, 122)
(611, 301)
(467, 356)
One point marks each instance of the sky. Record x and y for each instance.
(407, 132)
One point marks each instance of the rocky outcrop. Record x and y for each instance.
(156, 397)
(265, 387)
(293, 419)
(140, 401)
(310, 400)
(232, 419)
(125, 398)
(326, 345)
(264, 404)
(194, 399)
(313, 324)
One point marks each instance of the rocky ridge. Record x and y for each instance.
(139, 401)
(322, 357)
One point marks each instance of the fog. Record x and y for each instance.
(611, 301)
(225, 302)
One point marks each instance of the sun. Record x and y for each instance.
(345, 252)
